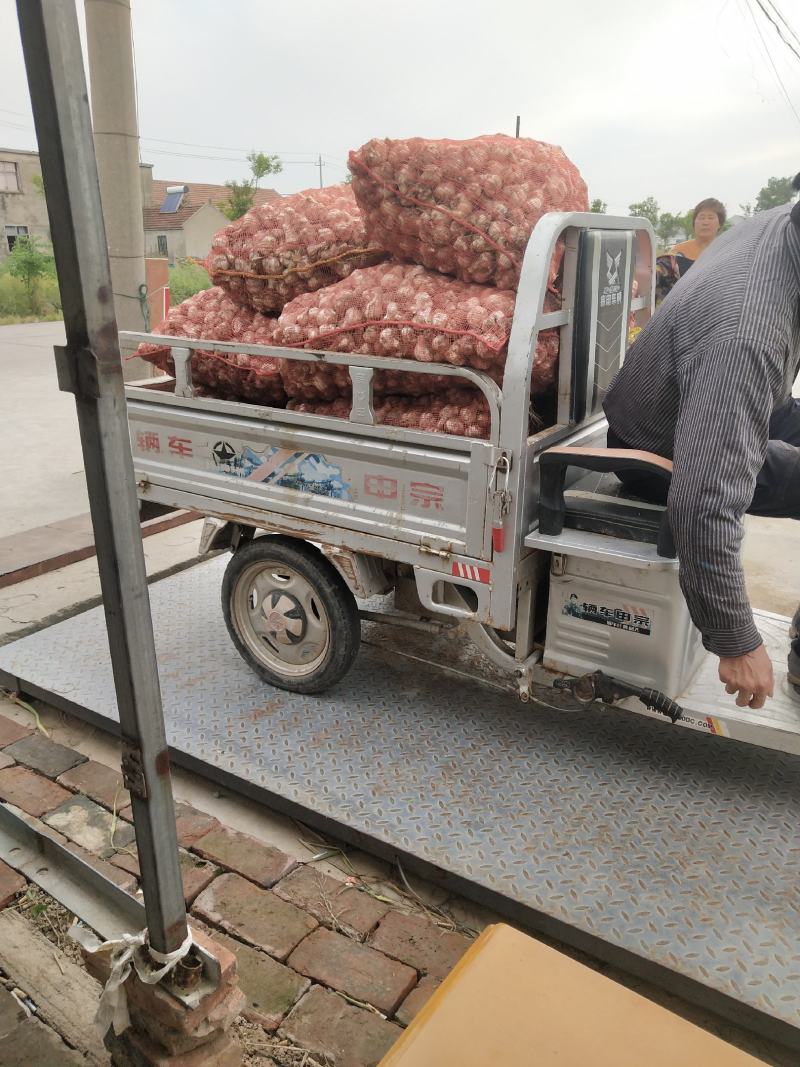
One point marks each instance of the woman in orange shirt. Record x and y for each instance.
(708, 218)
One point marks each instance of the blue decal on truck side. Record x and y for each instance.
(308, 472)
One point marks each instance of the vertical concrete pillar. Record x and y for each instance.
(116, 138)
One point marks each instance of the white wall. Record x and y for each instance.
(200, 230)
(176, 245)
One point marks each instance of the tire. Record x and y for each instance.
(290, 614)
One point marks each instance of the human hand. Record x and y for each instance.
(750, 676)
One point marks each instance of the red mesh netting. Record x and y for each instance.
(465, 208)
(291, 245)
(463, 412)
(405, 312)
(212, 315)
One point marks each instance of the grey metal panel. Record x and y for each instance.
(669, 853)
(357, 462)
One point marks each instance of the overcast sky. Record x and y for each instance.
(678, 100)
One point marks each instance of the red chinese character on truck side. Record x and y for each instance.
(148, 442)
(378, 485)
(180, 446)
(426, 495)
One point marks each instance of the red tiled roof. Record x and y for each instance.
(198, 195)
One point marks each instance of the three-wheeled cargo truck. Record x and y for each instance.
(523, 541)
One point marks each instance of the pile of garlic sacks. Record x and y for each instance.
(418, 260)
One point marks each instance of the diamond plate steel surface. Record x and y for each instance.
(679, 848)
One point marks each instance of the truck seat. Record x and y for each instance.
(598, 502)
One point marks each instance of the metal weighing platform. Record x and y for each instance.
(673, 855)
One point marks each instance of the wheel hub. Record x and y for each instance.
(285, 618)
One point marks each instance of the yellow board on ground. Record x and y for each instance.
(513, 1000)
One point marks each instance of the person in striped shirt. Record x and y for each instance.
(708, 385)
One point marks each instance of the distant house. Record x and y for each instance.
(23, 211)
(180, 219)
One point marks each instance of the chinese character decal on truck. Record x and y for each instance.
(618, 618)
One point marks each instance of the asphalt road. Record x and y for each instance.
(42, 479)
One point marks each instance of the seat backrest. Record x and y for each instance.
(602, 308)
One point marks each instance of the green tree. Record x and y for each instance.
(241, 195)
(672, 226)
(598, 206)
(646, 209)
(240, 199)
(27, 262)
(776, 191)
(669, 226)
(261, 165)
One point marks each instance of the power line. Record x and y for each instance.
(191, 144)
(771, 60)
(778, 29)
(189, 155)
(785, 21)
(221, 147)
(224, 159)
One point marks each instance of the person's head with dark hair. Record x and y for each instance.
(708, 218)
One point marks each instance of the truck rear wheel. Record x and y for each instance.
(290, 614)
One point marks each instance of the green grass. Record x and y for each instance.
(186, 279)
(18, 305)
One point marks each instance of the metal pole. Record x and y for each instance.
(319, 164)
(517, 133)
(89, 366)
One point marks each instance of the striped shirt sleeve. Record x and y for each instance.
(728, 391)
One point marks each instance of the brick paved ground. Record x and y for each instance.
(323, 964)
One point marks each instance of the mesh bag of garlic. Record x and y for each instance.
(465, 208)
(462, 412)
(291, 245)
(212, 315)
(404, 312)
